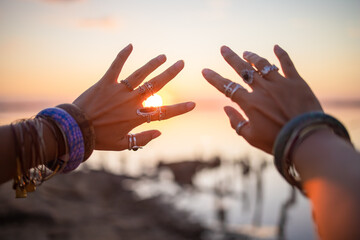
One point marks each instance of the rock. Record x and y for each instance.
(92, 205)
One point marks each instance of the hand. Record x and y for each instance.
(274, 100)
(112, 106)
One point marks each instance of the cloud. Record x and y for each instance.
(98, 23)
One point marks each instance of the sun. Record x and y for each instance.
(153, 101)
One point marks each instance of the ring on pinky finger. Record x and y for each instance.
(240, 125)
(132, 142)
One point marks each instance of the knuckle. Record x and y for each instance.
(153, 63)
(285, 59)
(171, 72)
(138, 74)
(283, 55)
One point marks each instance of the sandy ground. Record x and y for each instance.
(91, 205)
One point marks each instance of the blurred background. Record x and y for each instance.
(53, 50)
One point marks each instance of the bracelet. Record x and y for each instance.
(85, 125)
(73, 134)
(294, 133)
(32, 169)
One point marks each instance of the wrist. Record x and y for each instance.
(294, 133)
(306, 157)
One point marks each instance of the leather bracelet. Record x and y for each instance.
(85, 125)
(295, 132)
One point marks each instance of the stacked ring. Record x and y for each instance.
(238, 86)
(127, 84)
(146, 87)
(148, 112)
(229, 91)
(132, 142)
(149, 87)
(268, 69)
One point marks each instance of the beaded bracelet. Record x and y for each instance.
(73, 135)
(85, 125)
(295, 132)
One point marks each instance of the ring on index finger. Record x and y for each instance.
(230, 91)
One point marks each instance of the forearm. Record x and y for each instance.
(9, 153)
(329, 168)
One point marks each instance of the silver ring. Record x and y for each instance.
(142, 90)
(162, 113)
(127, 84)
(149, 87)
(148, 112)
(228, 89)
(237, 87)
(146, 87)
(247, 75)
(269, 68)
(132, 143)
(240, 125)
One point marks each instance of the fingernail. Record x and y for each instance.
(225, 49)
(227, 109)
(205, 71)
(277, 48)
(128, 46)
(179, 64)
(246, 54)
(161, 58)
(156, 134)
(190, 106)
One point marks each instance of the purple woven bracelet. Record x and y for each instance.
(73, 135)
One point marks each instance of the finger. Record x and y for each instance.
(139, 75)
(166, 112)
(235, 118)
(145, 137)
(161, 80)
(178, 109)
(260, 63)
(287, 65)
(113, 72)
(237, 63)
(220, 84)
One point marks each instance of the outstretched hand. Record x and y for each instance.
(274, 100)
(112, 106)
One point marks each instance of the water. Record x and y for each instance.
(223, 198)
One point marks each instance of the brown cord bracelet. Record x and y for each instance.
(85, 125)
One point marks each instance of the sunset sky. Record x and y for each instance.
(58, 48)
